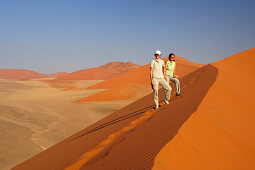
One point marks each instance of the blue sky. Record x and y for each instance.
(69, 35)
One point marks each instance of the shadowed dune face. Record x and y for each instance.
(220, 133)
(142, 143)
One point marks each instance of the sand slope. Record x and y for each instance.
(126, 131)
(135, 83)
(220, 134)
(100, 73)
(210, 127)
(21, 74)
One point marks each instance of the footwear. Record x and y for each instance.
(156, 107)
(178, 94)
(166, 102)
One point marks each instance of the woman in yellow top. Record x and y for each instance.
(170, 73)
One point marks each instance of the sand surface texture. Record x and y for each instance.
(34, 116)
(220, 134)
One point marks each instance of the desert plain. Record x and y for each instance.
(35, 114)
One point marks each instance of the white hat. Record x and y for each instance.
(157, 52)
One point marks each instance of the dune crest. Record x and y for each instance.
(220, 134)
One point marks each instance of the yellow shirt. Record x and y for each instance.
(170, 68)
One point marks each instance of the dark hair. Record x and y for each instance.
(171, 55)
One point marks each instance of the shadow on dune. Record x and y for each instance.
(127, 116)
(138, 148)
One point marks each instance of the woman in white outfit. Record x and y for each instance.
(170, 73)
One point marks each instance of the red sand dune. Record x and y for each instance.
(220, 133)
(100, 73)
(21, 74)
(134, 84)
(210, 127)
(119, 67)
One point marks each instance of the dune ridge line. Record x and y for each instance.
(87, 156)
(110, 139)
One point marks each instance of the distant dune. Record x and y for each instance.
(100, 73)
(21, 74)
(119, 67)
(135, 83)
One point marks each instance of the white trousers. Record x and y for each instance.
(167, 87)
(176, 82)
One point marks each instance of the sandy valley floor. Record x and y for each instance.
(34, 116)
